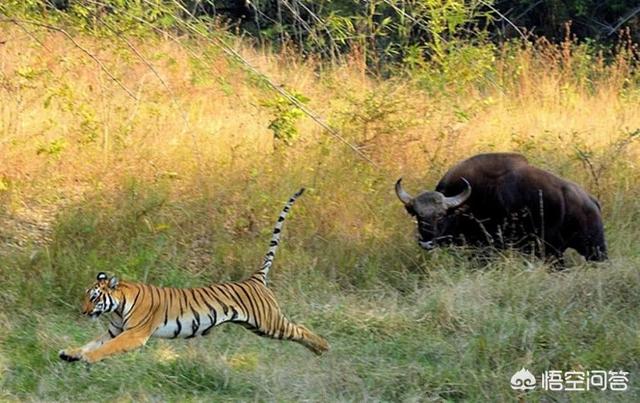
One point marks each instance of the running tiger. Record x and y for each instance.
(141, 311)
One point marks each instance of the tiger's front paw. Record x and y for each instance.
(90, 357)
(70, 355)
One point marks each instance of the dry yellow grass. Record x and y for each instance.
(67, 127)
(70, 133)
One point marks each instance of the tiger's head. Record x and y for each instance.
(99, 298)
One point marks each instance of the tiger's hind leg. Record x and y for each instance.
(281, 328)
(310, 340)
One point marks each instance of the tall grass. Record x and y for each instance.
(181, 186)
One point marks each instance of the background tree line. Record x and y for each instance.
(598, 19)
(457, 38)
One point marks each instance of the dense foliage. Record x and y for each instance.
(389, 30)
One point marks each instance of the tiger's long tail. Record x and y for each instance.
(261, 274)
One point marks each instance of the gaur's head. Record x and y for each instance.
(433, 211)
(99, 298)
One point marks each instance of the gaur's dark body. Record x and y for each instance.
(511, 204)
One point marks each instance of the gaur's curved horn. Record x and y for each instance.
(455, 201)
(402, 194)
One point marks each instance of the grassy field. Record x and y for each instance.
(181, 186)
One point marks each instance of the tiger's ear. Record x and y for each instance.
(101, 276)
(113, 283)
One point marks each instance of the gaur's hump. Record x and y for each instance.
(513, 159)
(489, 165)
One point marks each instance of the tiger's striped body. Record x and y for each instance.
(140, 311)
